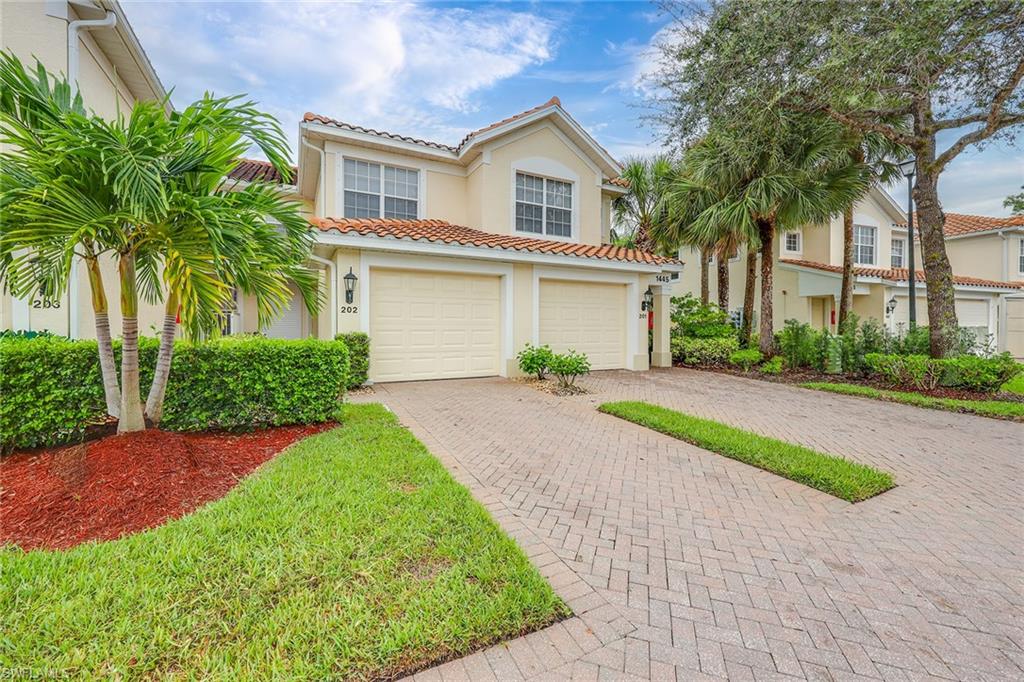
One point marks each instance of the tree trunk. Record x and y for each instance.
(705, 289)
(155, 401)
(104, 343)
(943, 327)
(642, 238)
(846, 291)
(766, 229)
(748, 295)
(131, 403)
(722, 262)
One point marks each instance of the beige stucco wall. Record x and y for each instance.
(988, 256)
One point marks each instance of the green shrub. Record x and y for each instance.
(535, 359)
(707, 351)
(568, 366)
(972, 373)
(799, 345)
(746, 358)
(693, 319)
(51, 390)
(773, 366)
(859, 340)
(358, 344)
(907, 371)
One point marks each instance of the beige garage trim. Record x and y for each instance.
(1015, 327)
(589, 317)
(433, 325)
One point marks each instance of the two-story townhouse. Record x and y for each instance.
(92, 43)
(808, 277)
(454, 257)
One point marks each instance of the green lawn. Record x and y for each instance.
(352, 554)
(987, 408)
(834, 475)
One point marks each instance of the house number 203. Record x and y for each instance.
(45, 305)
(349, 309)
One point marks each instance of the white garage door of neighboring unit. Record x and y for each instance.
(432, 325)
(971, 313)
(1015, 327)
(586, 316)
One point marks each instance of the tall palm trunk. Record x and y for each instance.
(705, 287)
(846, 289)
(766, 230)
(131, 403)
(155, 401)
(748, 295)
(722, 267)
(104, 343)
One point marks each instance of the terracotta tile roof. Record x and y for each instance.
(446, 233)
(901, 274)
(310, 117)
(249, 170)
(619, 182)
(960, 223)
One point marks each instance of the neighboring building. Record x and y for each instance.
(808, 273)
(93, 42)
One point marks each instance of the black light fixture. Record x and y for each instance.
(350, 285)
(648, 303)
(890, 306)
(909, 167)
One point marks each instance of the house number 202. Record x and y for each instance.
(349, 309)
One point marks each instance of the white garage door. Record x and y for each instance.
(587, 317)
(1015, 327)
(288, 323)
(971, 313)
(427, 325)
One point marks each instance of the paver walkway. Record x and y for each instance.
(681, 563)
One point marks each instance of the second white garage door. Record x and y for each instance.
(430, 325)
(585, 316)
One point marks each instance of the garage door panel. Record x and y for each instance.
(588, 317)
(427, 325)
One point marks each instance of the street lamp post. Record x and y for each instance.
(908, 167)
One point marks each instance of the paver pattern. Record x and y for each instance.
(681, 564)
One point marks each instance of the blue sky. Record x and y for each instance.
(439, 70)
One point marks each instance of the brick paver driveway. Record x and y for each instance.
(680, 563)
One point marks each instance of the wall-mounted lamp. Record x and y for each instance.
(350, 285)
(648, 303)
(890, 306)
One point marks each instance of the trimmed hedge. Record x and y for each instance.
(967, 372)
(358, 357)
(50, 388)
(697, 351)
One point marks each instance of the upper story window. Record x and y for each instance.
(1020, 257)
(865, 242)
(792, 242)
(373, 190)
(896, 260)
(543, 206)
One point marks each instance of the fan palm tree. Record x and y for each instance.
(638, 209)
(148, 191)
(798, 172)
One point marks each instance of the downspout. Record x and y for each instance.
(73, 48)
(323, 172)
(332, 280)
(73, 58)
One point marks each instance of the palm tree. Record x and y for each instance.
(638, 209)
(797, 172)
(147, 190)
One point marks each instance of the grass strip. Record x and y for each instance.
(834, 475)
(1015, 385)
(352, 555)
(999, 409)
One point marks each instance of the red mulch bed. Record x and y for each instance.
(101, 490)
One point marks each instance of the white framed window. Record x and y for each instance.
(791, 242)
(865, 244)
(374, 190)
(896, 259)
(543, 206)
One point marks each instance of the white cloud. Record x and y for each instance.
(405, 67)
